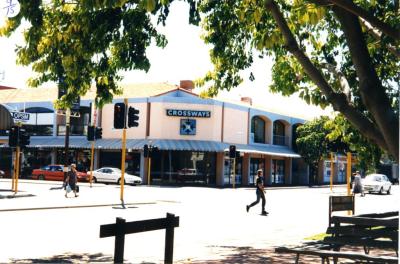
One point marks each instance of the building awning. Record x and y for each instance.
(280, 151)
(162, 144)
(191, 145)
(59, 142)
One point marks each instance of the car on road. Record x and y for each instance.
(55, 173)
(377, 183)
(113, 175)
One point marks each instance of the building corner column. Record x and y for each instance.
(268, 170)
(246, 169)
(219, 181)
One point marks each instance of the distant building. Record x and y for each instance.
(192, 135)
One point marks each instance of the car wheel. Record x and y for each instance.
(388, 191)
(119, 181)
(41, 177)
(94, 179)
(381, 190)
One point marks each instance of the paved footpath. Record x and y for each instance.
(214, 225)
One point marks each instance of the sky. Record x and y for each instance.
(186, 57)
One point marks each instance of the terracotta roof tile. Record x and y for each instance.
(50, 94)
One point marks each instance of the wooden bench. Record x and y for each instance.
(336, 255)
(367, 231)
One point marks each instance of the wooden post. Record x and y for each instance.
(119, 241)
(169, 240)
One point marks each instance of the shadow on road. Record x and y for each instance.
(248, 255)
(69, 258)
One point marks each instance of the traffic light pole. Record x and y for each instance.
(92, 149)
(148, 170)
(348, 175)
(234, 172)
(16, 174)
(123, 154)
(331, 178)
(66, 148)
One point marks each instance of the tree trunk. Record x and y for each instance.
(371, 90)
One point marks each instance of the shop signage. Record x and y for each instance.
(20, 116)
(188, 127)
(188, 113)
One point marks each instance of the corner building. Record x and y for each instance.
(190, 135)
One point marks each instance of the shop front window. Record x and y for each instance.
(278, 171)
(255, 165)
(228, 171)
(193, 167)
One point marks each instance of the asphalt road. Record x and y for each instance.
(40, 225)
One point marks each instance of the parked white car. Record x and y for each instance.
(377, 183)
(113, 175)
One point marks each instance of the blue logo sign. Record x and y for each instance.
(188, 127)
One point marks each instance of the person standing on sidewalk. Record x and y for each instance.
(71, 180)
(260, 192)
(357, 185)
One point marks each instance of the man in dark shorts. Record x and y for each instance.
(260, 192)
(71, 180)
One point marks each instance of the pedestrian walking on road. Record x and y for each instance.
(71, 181)
(260, 192)
(357, 185)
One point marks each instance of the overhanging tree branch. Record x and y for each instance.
(377, 35)
(358, 11)
(338, 100)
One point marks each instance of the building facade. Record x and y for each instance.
(190, 137)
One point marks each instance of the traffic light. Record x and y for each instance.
(133, 117)
(90, 133)
(13, 136)
(146, 151)
(232, 151)
(119, 115)
(24, 138)
(98, 133)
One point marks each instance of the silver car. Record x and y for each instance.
(113, 175)
(377, 183)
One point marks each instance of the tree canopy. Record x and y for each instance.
(342, 53)
(76, 43)
(329, 52)
(316, 139)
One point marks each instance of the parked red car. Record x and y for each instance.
(55, 173)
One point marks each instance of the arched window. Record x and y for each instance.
(258, 129)
(279, 133)
(40, 122)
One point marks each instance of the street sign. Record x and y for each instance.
(20, 116)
